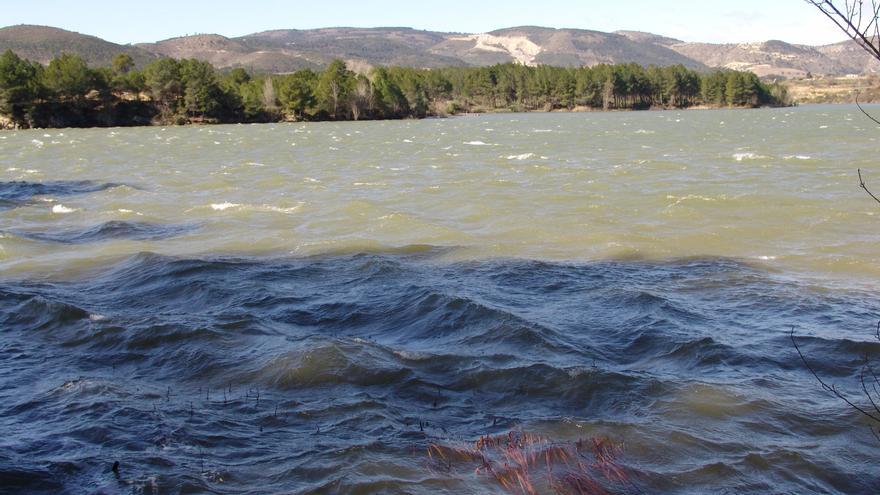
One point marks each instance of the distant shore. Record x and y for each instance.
(69, 93)
(7, 125)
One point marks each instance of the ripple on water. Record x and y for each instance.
(207, 372)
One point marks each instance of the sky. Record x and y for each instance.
(713, 21)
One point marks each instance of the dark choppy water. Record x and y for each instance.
(313, 375)
(309, 308)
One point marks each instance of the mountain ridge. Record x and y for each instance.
(286, 50)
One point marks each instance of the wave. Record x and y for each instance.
(21, 193)
(224, 363)
(115, 229)
(748, 156)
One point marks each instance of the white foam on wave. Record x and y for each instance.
(690, 197)
(797, 157)
(748, 156)
(61, 209)
(644, 131)
(250, 207)
(412, 355)
(279, 209)
(524, 156)
(223, 206)
(477, 143)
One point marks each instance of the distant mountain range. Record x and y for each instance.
(288, 50)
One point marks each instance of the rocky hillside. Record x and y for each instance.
(289, 50)
(562, 47)
(778, 58)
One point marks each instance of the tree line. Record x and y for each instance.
(69, 93)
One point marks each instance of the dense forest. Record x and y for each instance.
(69, 93)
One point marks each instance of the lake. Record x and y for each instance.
(348, 307)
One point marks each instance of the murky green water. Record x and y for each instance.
(308, 308)
(774, 187)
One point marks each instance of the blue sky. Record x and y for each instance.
(690, 20)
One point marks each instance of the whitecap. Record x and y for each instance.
(59, 208)
(224, 206)
(412, 355)
(477, 143)
(797, 157)
(747, 156)
(279, 209)
(524, 156)
(690, 197)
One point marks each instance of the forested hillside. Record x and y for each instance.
(69, 93)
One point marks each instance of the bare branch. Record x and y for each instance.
(865, 187)
(863, 110)
(865, 388)
(829, 388)
(849, 18)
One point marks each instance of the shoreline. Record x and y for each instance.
(4, 121)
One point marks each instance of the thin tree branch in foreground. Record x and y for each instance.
(865, 187)
(863, 110)
(831, 388)
(848, 16)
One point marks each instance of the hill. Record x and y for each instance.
(43, 43)
(288, 50)
(771, 58)
(562, 47)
